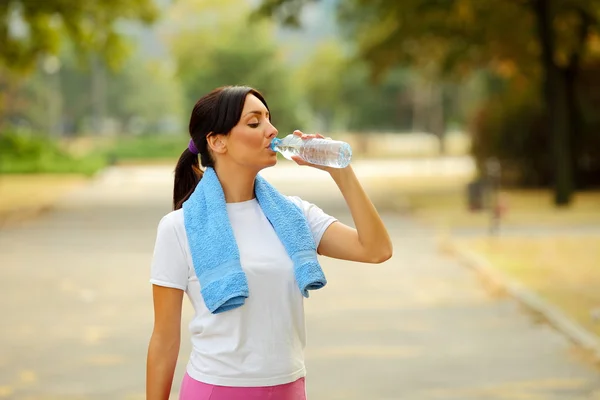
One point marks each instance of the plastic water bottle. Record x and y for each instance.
(325, 152)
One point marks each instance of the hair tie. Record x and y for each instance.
(192, 147)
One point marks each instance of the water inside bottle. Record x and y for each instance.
(330, 153)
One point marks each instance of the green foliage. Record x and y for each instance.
(450, 37)
(507, 127)
(322, 87)
(338, 92)
(141, 97)
(440, 37)
(145, 97)
(384, 106)
(147, 147)
(33, 153)
(30, 28)
(544, 41)
(226, 50)
(510, 125)
(28, 153)
(286, 11)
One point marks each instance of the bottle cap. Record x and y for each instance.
(275, 143)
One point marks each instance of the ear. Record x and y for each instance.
(217, 143)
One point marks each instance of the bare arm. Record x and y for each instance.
(164, 343)
(370, 241)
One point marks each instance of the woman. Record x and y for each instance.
(248, 342)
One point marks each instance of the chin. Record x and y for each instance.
(269, 163)
(272, 161)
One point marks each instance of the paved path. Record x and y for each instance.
(77, 313)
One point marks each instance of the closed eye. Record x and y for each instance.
(254, 125)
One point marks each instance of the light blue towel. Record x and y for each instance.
(215, 253)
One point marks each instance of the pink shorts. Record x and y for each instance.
(191, 389)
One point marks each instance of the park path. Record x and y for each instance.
(77, 311)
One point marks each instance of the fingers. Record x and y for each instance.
(305, 136)
(299, 161)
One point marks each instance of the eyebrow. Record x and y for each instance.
(256, 112)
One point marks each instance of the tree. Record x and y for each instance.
(543, 40)
(32, 32)
(30, 28)
(338, 92)
(321, 86)
(214, 46)
(141, 97)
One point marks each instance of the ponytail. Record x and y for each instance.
(187, 176)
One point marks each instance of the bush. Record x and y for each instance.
(147, 147)
(28, 153)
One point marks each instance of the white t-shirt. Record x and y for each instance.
(262, 342)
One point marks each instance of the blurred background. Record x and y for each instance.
(474, 125)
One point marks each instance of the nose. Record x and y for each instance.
(271, 131)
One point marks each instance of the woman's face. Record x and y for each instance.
(248, 142)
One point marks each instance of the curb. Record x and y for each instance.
(554, 317)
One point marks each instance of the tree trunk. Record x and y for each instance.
(420, 101)
(555, 99)
(428, 110)
(571, 73)
(575, 123)
(438, 116)
(98, 95)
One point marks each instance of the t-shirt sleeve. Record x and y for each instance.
(169, 267)
(318, 220)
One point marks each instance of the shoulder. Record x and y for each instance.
(299, 202)
(172, 222)
(171, 231)
(310, 210)
(172, 219)
(317, 219)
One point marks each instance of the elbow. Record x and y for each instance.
(382, 255)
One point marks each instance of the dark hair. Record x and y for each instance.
(215, 113)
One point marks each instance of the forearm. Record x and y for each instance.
(160, 367)
(372, 233)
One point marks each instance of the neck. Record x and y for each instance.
(237, 183)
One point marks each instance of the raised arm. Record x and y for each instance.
(370, 241)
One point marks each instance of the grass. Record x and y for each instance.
(142, 149)
(447, 209)
(52, 165)
(28, 153)
(25, 194)
(562, 270)
(441, 202)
